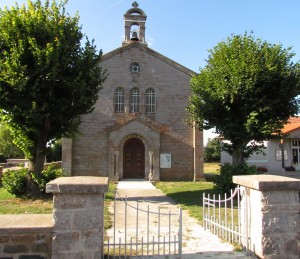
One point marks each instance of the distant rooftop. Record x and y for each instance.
(293, 124)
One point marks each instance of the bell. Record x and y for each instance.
(134, 36)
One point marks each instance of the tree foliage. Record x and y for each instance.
(212, 151)
(55, 151)
(48, 76)
(7, 148)
(247, 90)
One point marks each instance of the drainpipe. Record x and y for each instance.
(281, 145)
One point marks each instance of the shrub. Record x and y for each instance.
(290, 168)
(50, 173)
(223, 183)
(14, 181)
(262, 169)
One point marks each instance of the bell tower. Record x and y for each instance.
(135, 21)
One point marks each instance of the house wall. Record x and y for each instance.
(91, 151)
(268, 159)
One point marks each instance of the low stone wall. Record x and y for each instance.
(16, 161)
(75, 230)
(25, 162)
(26, 236)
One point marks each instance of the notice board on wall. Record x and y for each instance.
(165, 160)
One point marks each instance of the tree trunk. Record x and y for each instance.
(36, 166)
(238, 154)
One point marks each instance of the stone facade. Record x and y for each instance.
(99, 149)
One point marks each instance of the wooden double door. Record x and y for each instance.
(134, 159)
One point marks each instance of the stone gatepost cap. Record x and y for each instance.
(265, 182)
(78, 184)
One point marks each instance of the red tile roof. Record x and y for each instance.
(293, 124)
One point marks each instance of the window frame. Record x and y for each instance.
(278, 154)
(150, 101)
(119, 100)
(134, 100)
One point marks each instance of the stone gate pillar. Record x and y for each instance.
(271, 207)
(78, 206)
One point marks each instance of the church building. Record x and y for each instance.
(138, 128)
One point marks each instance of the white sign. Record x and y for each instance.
(165, 160)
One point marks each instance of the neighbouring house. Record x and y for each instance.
(138, 127)
(271, 158)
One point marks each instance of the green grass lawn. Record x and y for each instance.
(188, 195)
(109, 197)
(211, 168)
(9, 204)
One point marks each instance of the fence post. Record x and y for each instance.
(273, 205)
(78, 206)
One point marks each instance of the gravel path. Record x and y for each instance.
(197, 243)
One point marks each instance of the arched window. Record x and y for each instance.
(119, 100)
(134, 100)
(150, 101)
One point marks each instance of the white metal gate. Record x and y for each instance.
(222, 216)
(140, 231)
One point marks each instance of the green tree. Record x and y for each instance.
(7, 148)
(247, 90)
(55, 151)
(212, 151)
(49, 76)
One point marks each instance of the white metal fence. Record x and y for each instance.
(222, 216)
(138, 231)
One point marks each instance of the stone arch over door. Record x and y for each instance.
(134, 159)
(121, 159)
(118, 136)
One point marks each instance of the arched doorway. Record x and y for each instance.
(134, 159)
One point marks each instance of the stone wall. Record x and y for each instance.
(78, 210)
(271, 215)
(26, 236)
(75, 230)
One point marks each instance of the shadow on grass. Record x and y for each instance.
(190, 198)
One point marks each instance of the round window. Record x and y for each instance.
(135, 67)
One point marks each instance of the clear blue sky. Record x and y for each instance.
(184, 30)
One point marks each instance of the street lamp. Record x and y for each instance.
(281, 145)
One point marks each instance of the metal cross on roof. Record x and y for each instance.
(135, 4)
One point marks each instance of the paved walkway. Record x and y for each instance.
(197, 243)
